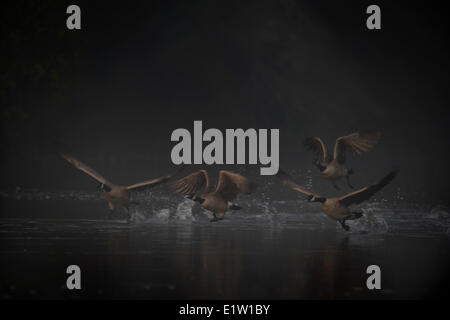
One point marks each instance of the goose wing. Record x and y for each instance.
(193, 183)
(316, 145)
(231, 184)
(356, 143)
(152, 182)
(365, 193)
(287, 180)
(80, 165)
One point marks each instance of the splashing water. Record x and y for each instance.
(381, 215)
(184, 210)
(369, 222)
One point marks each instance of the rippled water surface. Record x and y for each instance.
(273, 250)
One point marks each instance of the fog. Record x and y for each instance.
(138, 71)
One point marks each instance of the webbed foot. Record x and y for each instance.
(215, 219)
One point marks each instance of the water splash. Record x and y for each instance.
(163, 214)
(184, 210)
(381, 214)
(438, 212)
(371, 222)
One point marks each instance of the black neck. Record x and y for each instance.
(320, 199)
(199, 200)
(104, 187)
(320, 166)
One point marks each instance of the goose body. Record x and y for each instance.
(334, 209)
(215, 203)
(116, 196)
(332, 166)
(197, 187)
(337, 208)
(334, 171)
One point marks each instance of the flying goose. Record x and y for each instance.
(116, 196)
(338, 208)
(331, 166)
(198, 188)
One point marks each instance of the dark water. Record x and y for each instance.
(277, 250)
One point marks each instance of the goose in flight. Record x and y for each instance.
(338, 208)
(116, 196)
(331, 166)
(198, 188)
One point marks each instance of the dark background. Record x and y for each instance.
(113, 92)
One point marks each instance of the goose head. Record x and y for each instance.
(319, 165)
(104, 187)
(312, 198)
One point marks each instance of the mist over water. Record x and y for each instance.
(276, 249)
(163, 207)
(112, 94)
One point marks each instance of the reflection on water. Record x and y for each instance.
(261, 252)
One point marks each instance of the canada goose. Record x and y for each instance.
(337, 208)
(229, 186)
(332, 166)
(115, 195)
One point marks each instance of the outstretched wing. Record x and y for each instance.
(365, 193)
(317, 146)
(80, 165)
(287, 180)
(194, 183)
(231, 184)
(153, 182)
(355, 143)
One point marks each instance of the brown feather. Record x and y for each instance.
(231, 184)
(365, 193)
(153, 182)
(197, 182)
(81, 166)
(317, 146)
(287, 180)
(355, 143)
